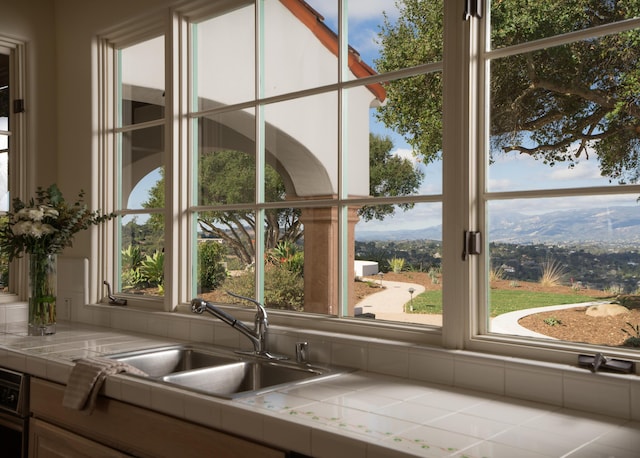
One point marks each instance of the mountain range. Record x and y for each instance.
(616, 225)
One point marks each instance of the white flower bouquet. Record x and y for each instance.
(46, 224)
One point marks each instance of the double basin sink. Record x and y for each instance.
(220, 372)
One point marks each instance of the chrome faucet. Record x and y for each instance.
(257, 335)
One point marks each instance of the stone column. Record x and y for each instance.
(321, 285)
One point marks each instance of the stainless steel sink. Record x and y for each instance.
(159, 362)
(247, 377)
(222, 373)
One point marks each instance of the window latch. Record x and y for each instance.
(599, 362)
(471, 244)
(472, 8)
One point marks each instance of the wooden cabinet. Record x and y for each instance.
(123, 429)
(48, 441)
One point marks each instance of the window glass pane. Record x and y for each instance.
(142, 166)
(4, 160)
(565, 116)
(4, 132)
(515, 22)
(398, 265)
(305, 56)
(301, 140)
(226, 159)
(4, 92)
(559, 266)
(4, 173)
(142, 254)
(225, 254)
(142, 87)
(225, 74)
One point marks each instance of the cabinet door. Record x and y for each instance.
(48, 441)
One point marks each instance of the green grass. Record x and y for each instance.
(502, 301)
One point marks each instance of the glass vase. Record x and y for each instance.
(43, 284)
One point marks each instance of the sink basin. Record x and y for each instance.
(247, 377)
(160, 362)
(221, 373)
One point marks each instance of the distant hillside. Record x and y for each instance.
(618, 225)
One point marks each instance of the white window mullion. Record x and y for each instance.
(457, 171)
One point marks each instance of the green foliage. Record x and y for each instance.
(552, 321)
(554, 104)
(396, 264)
(414, 104)
(552, 273)
(211, 269)
(45, 224)
(287, 255)
(140, 270)
(434, 274)
(152, 270)
(283, 288)
(389, 175)
(496, 273)
(634, 337)
(131, 257)
(144, 235)
(502, 301)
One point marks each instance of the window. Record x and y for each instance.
(140, 129)
(560, 193)
(285, 200)
(12, 128)
(300, 152)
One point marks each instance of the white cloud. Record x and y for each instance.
(583, 170)
(365, 10)
(405, 154)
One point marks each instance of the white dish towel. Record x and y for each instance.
(87, 378)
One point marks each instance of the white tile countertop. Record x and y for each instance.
(359, 414)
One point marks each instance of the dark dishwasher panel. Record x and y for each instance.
(14, 414)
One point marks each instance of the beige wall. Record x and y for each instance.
(31, 21)
(78, 23)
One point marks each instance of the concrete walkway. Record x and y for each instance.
(389, 303)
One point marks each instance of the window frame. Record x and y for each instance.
(465, 88)
(480, 338)
(19, 178)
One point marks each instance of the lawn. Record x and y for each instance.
(503, 300)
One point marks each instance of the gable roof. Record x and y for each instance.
(315, 23)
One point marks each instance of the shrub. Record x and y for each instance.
(152, 270)
(496, 273)
(283, 289)
(132, 258)
(634, 337)
(552, 273)
(434, 274)
(396, 265)
(211, 268)
(287, 255)
(552, 321)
